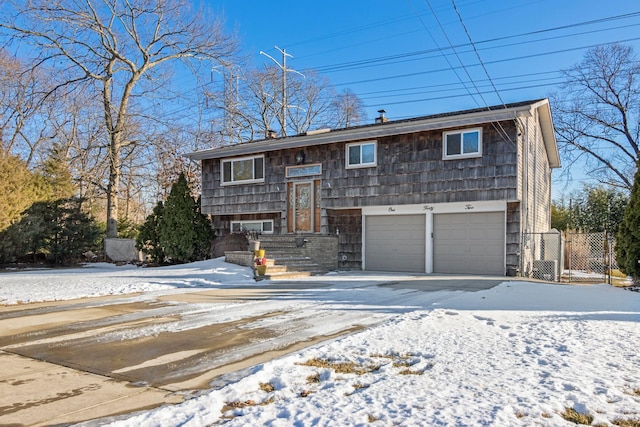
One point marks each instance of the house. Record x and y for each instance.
(445, 193)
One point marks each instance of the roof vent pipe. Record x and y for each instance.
(381, 118)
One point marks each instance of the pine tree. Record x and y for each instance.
(56, 174)
(203, 228)
(628, 238)
(59, 230)
(184, 232)
(148, 239)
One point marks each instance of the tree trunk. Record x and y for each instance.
(112, 189)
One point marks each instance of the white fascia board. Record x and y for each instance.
(437, 208)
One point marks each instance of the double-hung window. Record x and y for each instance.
(361, 154)
(243, 170)
(462, 143)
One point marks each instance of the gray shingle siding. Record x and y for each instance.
(409, 170)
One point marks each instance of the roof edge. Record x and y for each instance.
(396, 127)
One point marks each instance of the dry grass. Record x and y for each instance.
(545, 415)
(576, 417)
(633, 392)
(631, 422)
(313, 379)
(520, 415)
(340, 367)
(617, 273)
(393, 356)
(267, 387)
(383, 356)
(372, 419)
(245, 403)
(359, 386)
(403, 361)
(411, 372)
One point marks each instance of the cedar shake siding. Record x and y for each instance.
(497, 176)
(409, 170)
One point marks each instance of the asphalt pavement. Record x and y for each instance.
(72, 361)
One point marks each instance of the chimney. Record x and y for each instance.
(271, 134)
(381, 118)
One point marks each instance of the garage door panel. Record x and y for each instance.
(469, 243)
(395, 243)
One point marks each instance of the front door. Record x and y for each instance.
(303, 207)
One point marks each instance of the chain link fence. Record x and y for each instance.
(590, 257)
(569, 256)
(572, 257)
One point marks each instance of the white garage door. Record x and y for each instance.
(395, 243)
(469, 243)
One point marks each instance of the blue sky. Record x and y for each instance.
(397, 56)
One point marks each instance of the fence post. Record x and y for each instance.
(570, 253)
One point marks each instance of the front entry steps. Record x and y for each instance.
(291, 256)
(294, 255)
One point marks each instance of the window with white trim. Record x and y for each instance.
(243, 170)
(361, 154)
(462, 143)
(265, 226)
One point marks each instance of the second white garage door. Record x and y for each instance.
(469, 243)
(395, 243)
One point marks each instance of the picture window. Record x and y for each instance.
(243, 170)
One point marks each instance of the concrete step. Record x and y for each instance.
(285, 275)
(289, 251)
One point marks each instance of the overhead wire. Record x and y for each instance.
(364, 64)
(498, 127)
(466, 31)
(516, 58)
(451, 67)
(338, 66)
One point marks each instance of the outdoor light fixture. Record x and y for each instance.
(299, 158)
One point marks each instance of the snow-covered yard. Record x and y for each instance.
(520, 353)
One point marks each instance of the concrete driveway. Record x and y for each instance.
(72, 361)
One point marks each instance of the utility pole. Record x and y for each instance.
(230, 83)
(284, 69)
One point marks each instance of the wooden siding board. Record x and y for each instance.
(410, 170)
(347, 224)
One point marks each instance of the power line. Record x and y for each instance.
(466, 31)
(497, 61)
(352, 64)
(438, 98)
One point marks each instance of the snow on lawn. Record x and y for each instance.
(518, 354)
(101, 279)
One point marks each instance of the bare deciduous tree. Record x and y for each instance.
(348, 110)
(25, 114)
(254, 106)
(310, 103)
(116, 47)
(596, 115)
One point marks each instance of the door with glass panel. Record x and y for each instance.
(303, 207)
